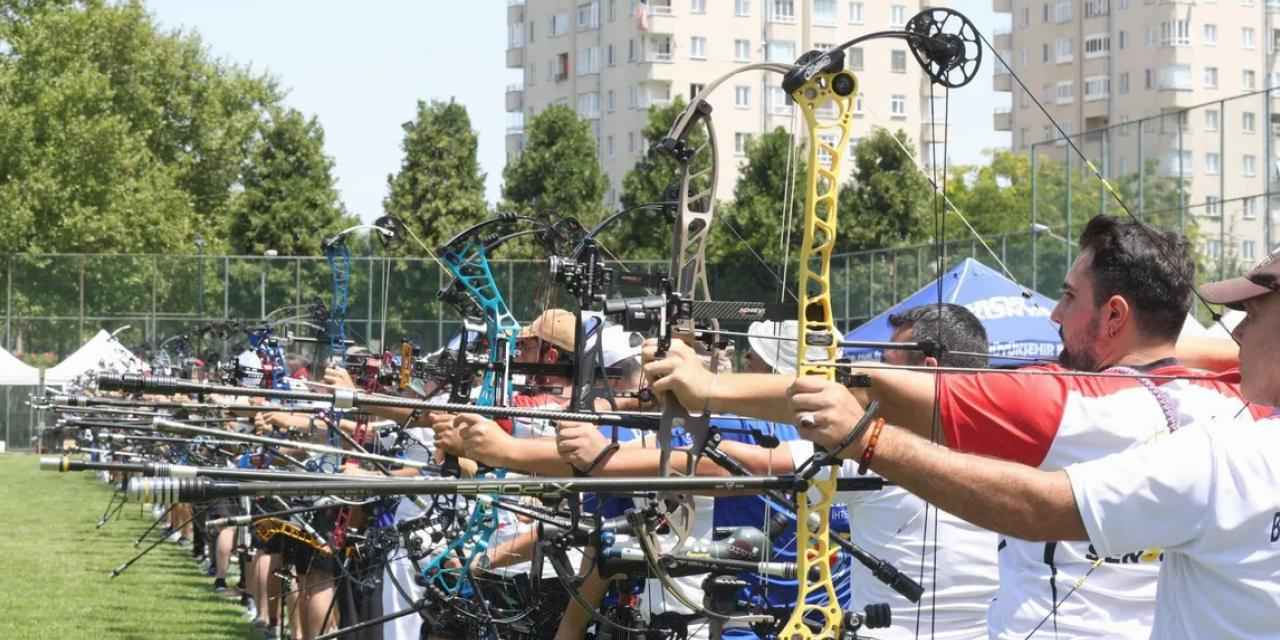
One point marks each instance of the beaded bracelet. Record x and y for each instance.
(870, 451)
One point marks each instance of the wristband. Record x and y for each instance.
(870, 451)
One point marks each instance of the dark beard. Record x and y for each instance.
(1080, 360)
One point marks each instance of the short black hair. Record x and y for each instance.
(1151, 269)
(950, 325)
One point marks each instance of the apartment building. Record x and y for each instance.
(613, 59)
(1104, 66)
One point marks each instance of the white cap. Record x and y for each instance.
(619, 345)
(780, 355)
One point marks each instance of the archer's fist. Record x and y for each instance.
(579, 443)
(833, 411)
(680, 372)
(483, 440)
(338, 377)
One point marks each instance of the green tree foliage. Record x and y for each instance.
(289, 202)
(885, 200)
(439, 189)
(109, 126)
(558, 173)
(757, 212)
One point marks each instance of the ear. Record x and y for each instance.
(553, 355)
(1117, 315)
(930, 361)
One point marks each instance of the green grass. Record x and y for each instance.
(54, 567)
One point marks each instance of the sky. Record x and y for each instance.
(360, 68)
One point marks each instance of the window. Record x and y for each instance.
(608, 145)
(824, 12)
(1210, 119)
(1250, 165)
(562, 67)
(1147, 73)
(855, 13)
(1063, 49)
(610, 101)
(1063, 92)
(1178, 163)
(1097, 88)
(1248, 80)
(1044, 13)
(1176, 33)
(781, 51)
(1274, 42)
(1247, 249)
(825, 141)
(898, 61)
(609, 59)
(531, 75)
(695, 89)
(697, 6)
(1124, 39)
(588, 16)
(633, 97)
(779, 101)
(742, 96)
(1063, 11)
(1044, 53)
(1026, 16)
(1247, 38)
(1124, 83)
(1250, 207)
(1212, 163)
(631, 50)
(898, 105)
(631, 142)
(613, 10)
(853, 146)
(1096, 8)
(588, 60)
(1210, 34)
(515, 36)
(1211, 77)
(741, 141)
(782, 10)
(698, 48)
(857, 103)
(742, 50)
(531, 30)
(1213, 248)
(897, 16)
(1249, 122)
(1211, 205)
(589, 105)
(559, 24)
(742, 7)
(1151, 38)
(1097, 46)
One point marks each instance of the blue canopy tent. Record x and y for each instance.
(1016, 325)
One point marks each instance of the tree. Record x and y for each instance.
(558, 173)
(439, 189)
(757, 212)
(289, 202)
(886, 200)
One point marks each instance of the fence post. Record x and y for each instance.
(1035, 211)
(82, 260)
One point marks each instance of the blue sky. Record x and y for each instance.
(361, 67)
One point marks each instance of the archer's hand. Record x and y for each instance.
(833, 409)
(680, 372)
(448, 439)
(483, 440)
(579, 444)
(338, 377)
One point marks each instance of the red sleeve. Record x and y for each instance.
(1003, 415)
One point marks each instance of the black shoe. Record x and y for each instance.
(219, 585)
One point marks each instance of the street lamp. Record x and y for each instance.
(1037, 230)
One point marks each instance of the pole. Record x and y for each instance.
(1035, 212)
(1222, 188)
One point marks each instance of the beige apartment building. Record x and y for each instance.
(1100, 66)
(613, 59)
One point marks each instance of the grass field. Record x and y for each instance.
(54, 566)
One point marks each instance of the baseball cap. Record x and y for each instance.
(556, 326)
(619, 345)
(780, 355)
(1262, 279)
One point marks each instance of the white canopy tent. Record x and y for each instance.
(1230, 319)
(14, 372)
(102, 353)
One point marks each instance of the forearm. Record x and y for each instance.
(756, 395)
(1213, 354)
(535, 456)
(636, 461)
(513, 551)
(1004, 497)
(906, 397)
(593, 587)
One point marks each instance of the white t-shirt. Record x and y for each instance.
(1050, 422)
(1209, 497)
(958, 573)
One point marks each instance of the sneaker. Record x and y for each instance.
(219, 585)
(251, 612)
(211, 570)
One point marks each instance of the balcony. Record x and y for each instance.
(1002, 6)
(515, 58)
(515, 12)
(1001, 80)
(931, 132)
(1003, 39)
(515, 98)
(515, 144)
(658, 68)
(1003, 119)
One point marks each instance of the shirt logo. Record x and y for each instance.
(1275, 527)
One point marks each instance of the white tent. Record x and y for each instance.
(16, 372)
(102, 353)
(1192, 328)
(1231, 318)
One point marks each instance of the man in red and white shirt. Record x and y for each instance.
(1122, 307)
